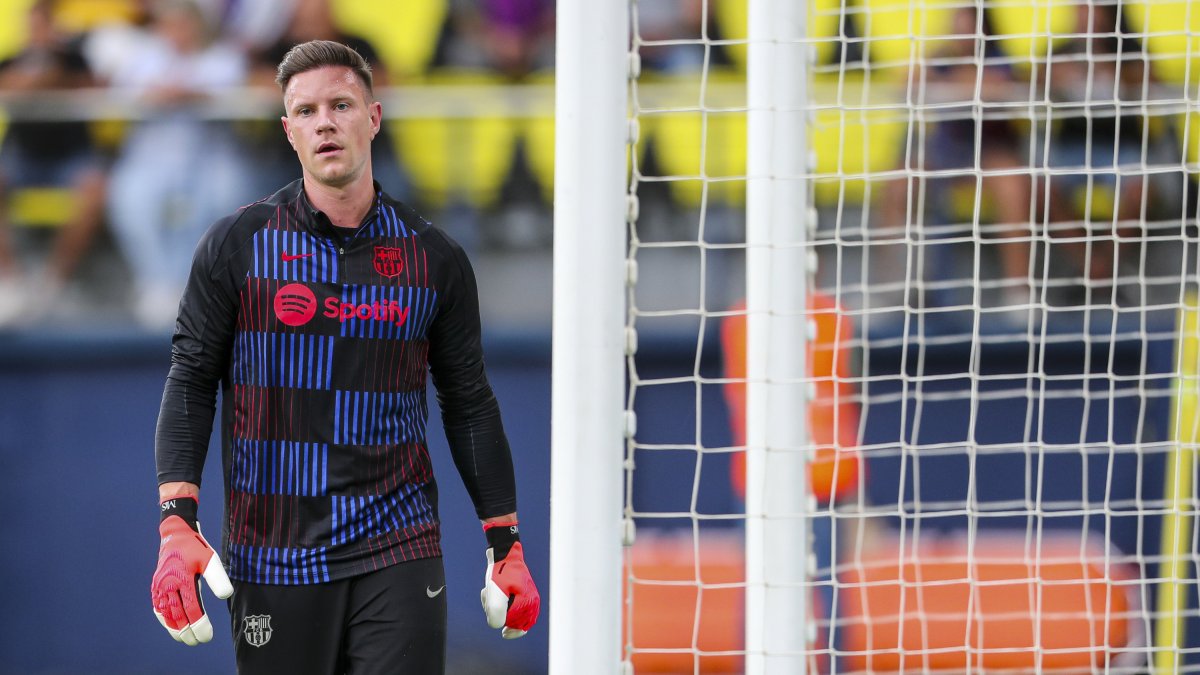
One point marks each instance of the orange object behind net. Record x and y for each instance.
(688, 601)
(832, 414)
(1003, 606)
(1057, 608)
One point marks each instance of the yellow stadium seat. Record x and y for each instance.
(899, 32)
(852, 142)
(13, 26)
(1098, 205)
(538, 135)
(1029, 27)
(37, 206)
(77, 16)
(824, 21)
(404, 32)
(679, 137)
(1171, 33)
(958, 203)
(461, 159)
(41, 206)
(108, 134)
(733, 18)
(849, 145)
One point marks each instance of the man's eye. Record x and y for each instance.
(303, 112)
(342, 106)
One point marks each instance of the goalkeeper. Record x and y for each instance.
(317, 312)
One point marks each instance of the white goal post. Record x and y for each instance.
(587, 434)
(875, 336)
(777, 265)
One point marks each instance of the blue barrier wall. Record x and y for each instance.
(77, 489)
(78, 494)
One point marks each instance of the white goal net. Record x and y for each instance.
(992, 391)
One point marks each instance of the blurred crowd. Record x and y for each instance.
(1052, 168)
(152, 184)
(1047, 168)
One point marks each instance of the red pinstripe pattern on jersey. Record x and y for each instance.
(287, 413)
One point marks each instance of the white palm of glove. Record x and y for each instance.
(510, 599)
(184, 557)
(495, 603)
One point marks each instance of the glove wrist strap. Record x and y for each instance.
(184, 507)
(501, 537)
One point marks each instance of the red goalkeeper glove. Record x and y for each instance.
(183, 557)
(510, 598)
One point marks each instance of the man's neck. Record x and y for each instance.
(345, 206)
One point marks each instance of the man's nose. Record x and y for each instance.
(324, 120)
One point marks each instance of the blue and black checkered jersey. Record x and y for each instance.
(320, 339)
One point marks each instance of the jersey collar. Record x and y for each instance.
(321, 222)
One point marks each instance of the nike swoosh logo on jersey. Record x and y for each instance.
(432, 593)
(288, 258)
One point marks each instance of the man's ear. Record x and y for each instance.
(287, 131)
(376, 117)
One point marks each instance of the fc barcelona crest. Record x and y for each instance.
(257, 629)
(389, 261)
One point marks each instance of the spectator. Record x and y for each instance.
(254, 25)
(176, 172)
(514, 37)
(313, 20)
(1093, 208)
(962, 137)
(47, 154)
(678, 31)
(110, 44)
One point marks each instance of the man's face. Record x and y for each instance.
(330, 124)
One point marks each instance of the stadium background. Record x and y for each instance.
(80, 383)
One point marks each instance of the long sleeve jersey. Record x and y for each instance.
(320, 339)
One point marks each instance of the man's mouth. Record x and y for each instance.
(328, 148)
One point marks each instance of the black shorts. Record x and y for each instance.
(390, 621)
